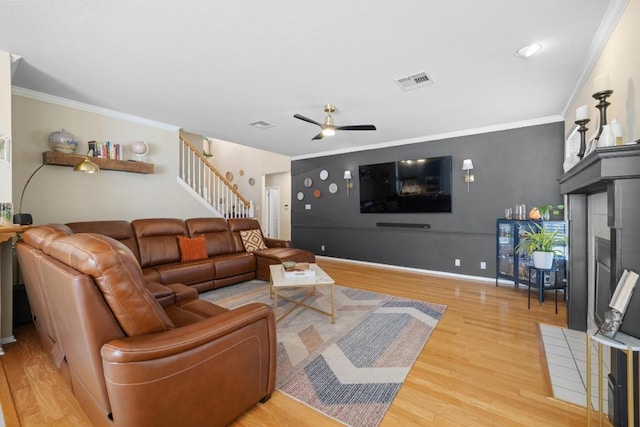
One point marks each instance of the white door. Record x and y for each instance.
(272, 197)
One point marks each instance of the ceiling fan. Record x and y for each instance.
(328, 127)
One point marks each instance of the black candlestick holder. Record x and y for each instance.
(582, 130)
(602, 107)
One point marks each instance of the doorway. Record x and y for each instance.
(272, 201)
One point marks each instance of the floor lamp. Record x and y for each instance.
(84, 166)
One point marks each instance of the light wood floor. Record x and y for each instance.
(482, 366)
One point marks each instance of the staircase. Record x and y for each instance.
(201, 179)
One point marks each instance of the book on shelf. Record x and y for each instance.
(301, 269)
(106, 150)
(624, 290)
(614, 315)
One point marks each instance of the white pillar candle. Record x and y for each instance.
(601, 83)
(581, 112)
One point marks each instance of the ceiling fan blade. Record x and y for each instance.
(306, 119)
(356, 127)
(318, 136)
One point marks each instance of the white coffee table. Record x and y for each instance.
(278, 281)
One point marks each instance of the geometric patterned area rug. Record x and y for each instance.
(350, 370)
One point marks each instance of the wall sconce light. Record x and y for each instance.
(347, 177)
(84, 166)
(467, 165)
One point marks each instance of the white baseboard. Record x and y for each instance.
(419, 270)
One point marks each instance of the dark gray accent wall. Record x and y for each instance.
(512, 166)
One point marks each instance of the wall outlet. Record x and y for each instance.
(456, 262)
(483, 265)
(322, 248)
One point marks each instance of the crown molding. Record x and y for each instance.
(439, 136)
(52, 99)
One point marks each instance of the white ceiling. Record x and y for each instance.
(213, 67)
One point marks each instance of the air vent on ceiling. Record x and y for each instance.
(414, 81)
(261, 124)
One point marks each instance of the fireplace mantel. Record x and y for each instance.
(601, 166)
(616, 172)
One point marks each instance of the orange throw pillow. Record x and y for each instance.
(252, 240)
(192, 249)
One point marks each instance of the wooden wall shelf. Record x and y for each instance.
(62, 159)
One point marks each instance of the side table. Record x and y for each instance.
(539, 281)
(622, 342)
(7, 233)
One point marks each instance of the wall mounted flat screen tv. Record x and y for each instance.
(406, 186)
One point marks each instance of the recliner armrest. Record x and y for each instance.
(276, 243)
(219, 367)
(175, 341)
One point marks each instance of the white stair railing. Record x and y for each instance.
(209, 186)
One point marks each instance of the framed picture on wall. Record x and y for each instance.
(5, 148)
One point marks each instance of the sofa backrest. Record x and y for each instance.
(118, 276)
(236, 225)
(158, 241)
(30, 255)
(119, 230)
(219, 239)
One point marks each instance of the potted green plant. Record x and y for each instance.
(540, 242)
(547, 210)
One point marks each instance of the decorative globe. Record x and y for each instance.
(140, 149)
(63, 142)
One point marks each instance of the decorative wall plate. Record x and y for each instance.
(317, 193)
(300, 195)
(333, 188)
(324, 174)
(308, 182)
(241, 173)
(252, 181)
(229, 176)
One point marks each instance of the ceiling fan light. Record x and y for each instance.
(328, 131)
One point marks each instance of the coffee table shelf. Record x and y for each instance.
(279, 282)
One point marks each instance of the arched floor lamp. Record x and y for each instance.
(84, 166)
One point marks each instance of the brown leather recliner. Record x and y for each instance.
(134, 362)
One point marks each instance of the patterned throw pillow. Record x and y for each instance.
(252, 240)
(192, 249)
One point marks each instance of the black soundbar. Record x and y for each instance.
(402, 225)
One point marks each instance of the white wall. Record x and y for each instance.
(57, 194)
(5, 122)
(620, 61)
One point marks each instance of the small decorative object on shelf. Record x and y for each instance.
(63, 142)
(140, 149)
(547, 210)
(534, 214)
(582, 130)
(5, 214)
(602, 105)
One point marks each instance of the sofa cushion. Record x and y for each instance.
(252, 240)
(118, 229)
(192, 248)
(219, 240)
(117, 275)
(157, 241)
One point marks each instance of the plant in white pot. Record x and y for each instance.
(540, 243)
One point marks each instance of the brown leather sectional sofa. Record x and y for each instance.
(135, 360)
(155, 245)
